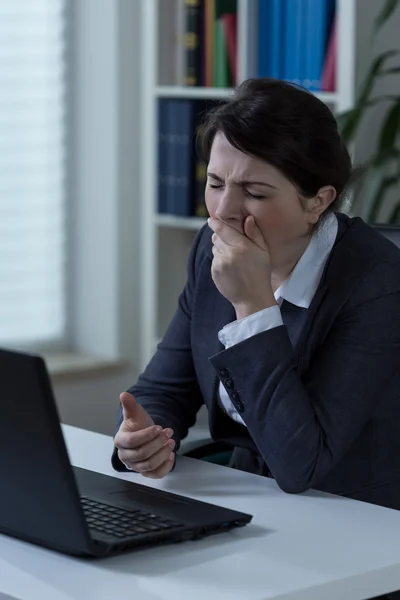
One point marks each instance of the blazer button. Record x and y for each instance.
(229, 383)
(223, 373)
(238, 404)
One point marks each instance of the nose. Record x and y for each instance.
(229, 205)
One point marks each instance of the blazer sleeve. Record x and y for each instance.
(304, 426)
(168, 387)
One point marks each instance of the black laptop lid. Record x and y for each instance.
(38, 499)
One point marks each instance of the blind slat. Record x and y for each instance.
(32, 171)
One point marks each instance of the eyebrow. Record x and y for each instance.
(244, 182)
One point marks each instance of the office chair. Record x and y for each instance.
(391, 232)
(221, 452)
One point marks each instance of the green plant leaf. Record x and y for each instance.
(388, 8)
(372, 184)
(374, 70)
(350, 120)
(386, 184)
(376, 184)
(348, 123)
(389, 132)
(392, 71)
(383, 98)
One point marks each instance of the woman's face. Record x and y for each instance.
(239, 185)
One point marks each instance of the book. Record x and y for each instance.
(169, 182)
(293, 52)
(328, 79)
(180, 50)
(193, 42)
(229, 22)
(221, 74)
(319, 14)
(270, 36)
(182, 167)
(208, 51)
(200, 174)
(179, 159)
(162, 155)
(263, 46)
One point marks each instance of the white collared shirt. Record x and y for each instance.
(299, 289)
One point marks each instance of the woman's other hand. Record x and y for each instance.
(143, 446)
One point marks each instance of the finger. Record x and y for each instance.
(228, 234)
(134, 439)
(163, 469)
(217, 241)
(254, 233)
(155, 461)
(144, 452)
(129, 406)
(216, 251)
(219, 244)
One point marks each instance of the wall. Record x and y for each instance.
(104, 278)
(91, 401)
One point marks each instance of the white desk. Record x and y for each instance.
(307, 547)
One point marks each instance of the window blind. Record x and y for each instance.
(32, 172)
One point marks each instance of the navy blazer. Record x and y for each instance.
(323, 413)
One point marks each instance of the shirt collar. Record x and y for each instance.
(301, 285)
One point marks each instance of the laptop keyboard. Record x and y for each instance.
(123, 523)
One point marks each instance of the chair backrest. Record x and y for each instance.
(390, 232)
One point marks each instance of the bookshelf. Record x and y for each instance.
(166, 239)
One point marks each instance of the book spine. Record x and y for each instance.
(170, 152)
(180, 50)
(209, 17)
(199, 166)
(263, 39)
(293, 45)
(220, 56)
(183, 135)
(316, 41)
(192, 42)
(275, 32)
(229, 21)
(162, 155)
(328, 80)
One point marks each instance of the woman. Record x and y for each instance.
(288, 327)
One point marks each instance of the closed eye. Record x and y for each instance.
(218, 186)
(255, 196)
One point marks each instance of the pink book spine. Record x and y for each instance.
(328, 83)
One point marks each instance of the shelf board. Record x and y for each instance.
(328, 97)
(176, 91)
(193, 223)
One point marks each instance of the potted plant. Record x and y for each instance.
(381, 172)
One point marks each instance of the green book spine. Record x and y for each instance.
(221, 72)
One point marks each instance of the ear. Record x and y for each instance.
(318, 204)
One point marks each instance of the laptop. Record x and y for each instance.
(46, 501)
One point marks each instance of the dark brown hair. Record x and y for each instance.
(289, 128)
